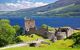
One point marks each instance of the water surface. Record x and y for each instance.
(73, 22)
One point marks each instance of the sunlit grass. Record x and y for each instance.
(29, 38)
(59, 45)
(75, 31)
(41, 48)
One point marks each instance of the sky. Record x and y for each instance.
(12, 5)
(14, 1)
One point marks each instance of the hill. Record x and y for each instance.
(60, 8)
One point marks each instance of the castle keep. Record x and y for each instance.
(29, 25)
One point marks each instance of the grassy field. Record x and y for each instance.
(29, 38)
(41, 48)
(59, 45)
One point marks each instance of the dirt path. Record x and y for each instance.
(13, 46)
(21, 44)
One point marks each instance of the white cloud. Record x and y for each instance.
(21, 5)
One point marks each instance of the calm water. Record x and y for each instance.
(73, 22)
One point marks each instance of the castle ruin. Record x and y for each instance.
(60, 33)
(30, 25)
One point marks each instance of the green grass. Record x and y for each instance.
(41, 48)
(59, 45)
(29, 38)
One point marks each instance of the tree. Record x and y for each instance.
(18, 29)
(7, 32)
(76, 38)
(44, 26)
(3, 21)
(51, 28)
(48, 27)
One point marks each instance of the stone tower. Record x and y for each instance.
(29, 25)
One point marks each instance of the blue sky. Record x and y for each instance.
(12, 5)
(14, 1)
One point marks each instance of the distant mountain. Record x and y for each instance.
(60, 7)
(20, 5)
